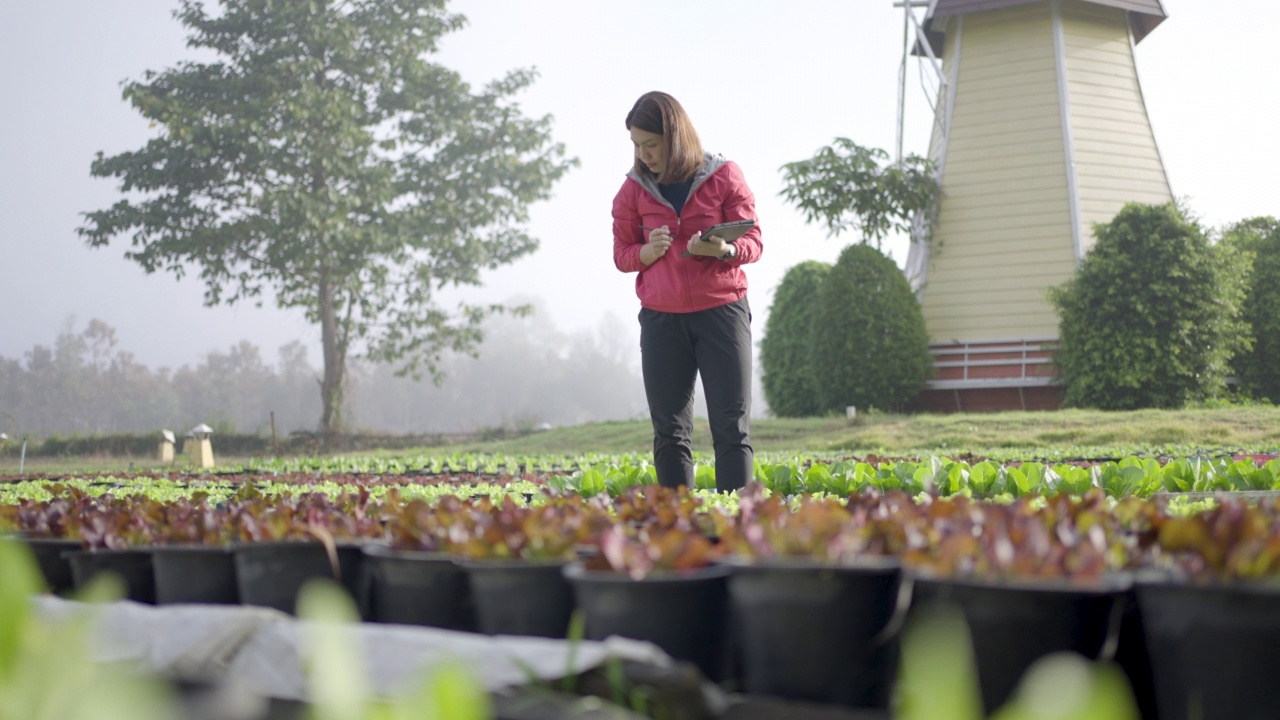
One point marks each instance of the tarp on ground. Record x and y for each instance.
(262, 650)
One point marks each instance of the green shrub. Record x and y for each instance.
(789, 386)
(1151, 318)
(868, 345)
(1256, 368)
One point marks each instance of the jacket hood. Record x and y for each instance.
(711, 162)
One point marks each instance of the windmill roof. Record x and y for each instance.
(1144, 15)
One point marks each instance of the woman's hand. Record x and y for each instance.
(658, 245)
(711, 247)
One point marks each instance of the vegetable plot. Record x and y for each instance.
(588, 475)
(944, 528)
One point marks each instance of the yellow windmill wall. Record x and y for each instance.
(1003, 234)
(1116, 155)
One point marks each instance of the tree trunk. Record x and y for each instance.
(335, 366)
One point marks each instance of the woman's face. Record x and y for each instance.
(651, 149)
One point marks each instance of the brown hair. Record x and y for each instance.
(659, 113)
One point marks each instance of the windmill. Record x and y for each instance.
(1040, 130)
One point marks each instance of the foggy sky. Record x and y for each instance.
(766, 82)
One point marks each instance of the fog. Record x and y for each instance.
(530, 375)
(765, 82)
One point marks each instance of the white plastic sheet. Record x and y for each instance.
(262, 649)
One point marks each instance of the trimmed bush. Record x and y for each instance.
(1256, 368)
(1152, 317)
(868, 346)
(789, 386)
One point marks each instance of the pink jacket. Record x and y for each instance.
(686, 284)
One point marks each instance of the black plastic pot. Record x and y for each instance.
(54, 566)
(815, 631)
(132, 566)
(1014, 623)
(684, 613)
(1134, 658)
(520, 597)
(417, 588)
(355, 577)
(1213, 649)
(270, 574)
(195, 574)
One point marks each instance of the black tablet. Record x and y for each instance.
(729, 231)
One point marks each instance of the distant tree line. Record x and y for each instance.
(527, 373)
(86, 384)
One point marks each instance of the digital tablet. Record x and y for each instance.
(729, 231)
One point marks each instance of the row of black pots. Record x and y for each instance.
(1190, 651)
(793, 629)
(391, 586)
(264, 574)
(1013, 624)
(814, 632)
(495, 597)
(829, 634)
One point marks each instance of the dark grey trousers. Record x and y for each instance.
(675, 348)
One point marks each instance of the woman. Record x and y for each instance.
(694, 316)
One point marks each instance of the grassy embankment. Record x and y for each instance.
(1006, 434)
(1064, 433)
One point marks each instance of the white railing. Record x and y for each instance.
(1024, 362)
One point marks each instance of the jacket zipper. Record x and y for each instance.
(684, 266)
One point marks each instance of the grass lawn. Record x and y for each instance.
(1007, 435)
(1254, 428)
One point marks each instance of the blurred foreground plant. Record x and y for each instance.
(336, 673)
(47, 670)
(939, 680)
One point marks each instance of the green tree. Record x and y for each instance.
(789, 385)
(868, 345)
(864, 349)
(1152, 316)
(324, 159)
(1256, 368)
(846, 186)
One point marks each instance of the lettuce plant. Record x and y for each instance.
(823, 529)
(1232, 541)
(508, 531)
(1063, 537)
(659, 508)
(303, 517)
(644, 552)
